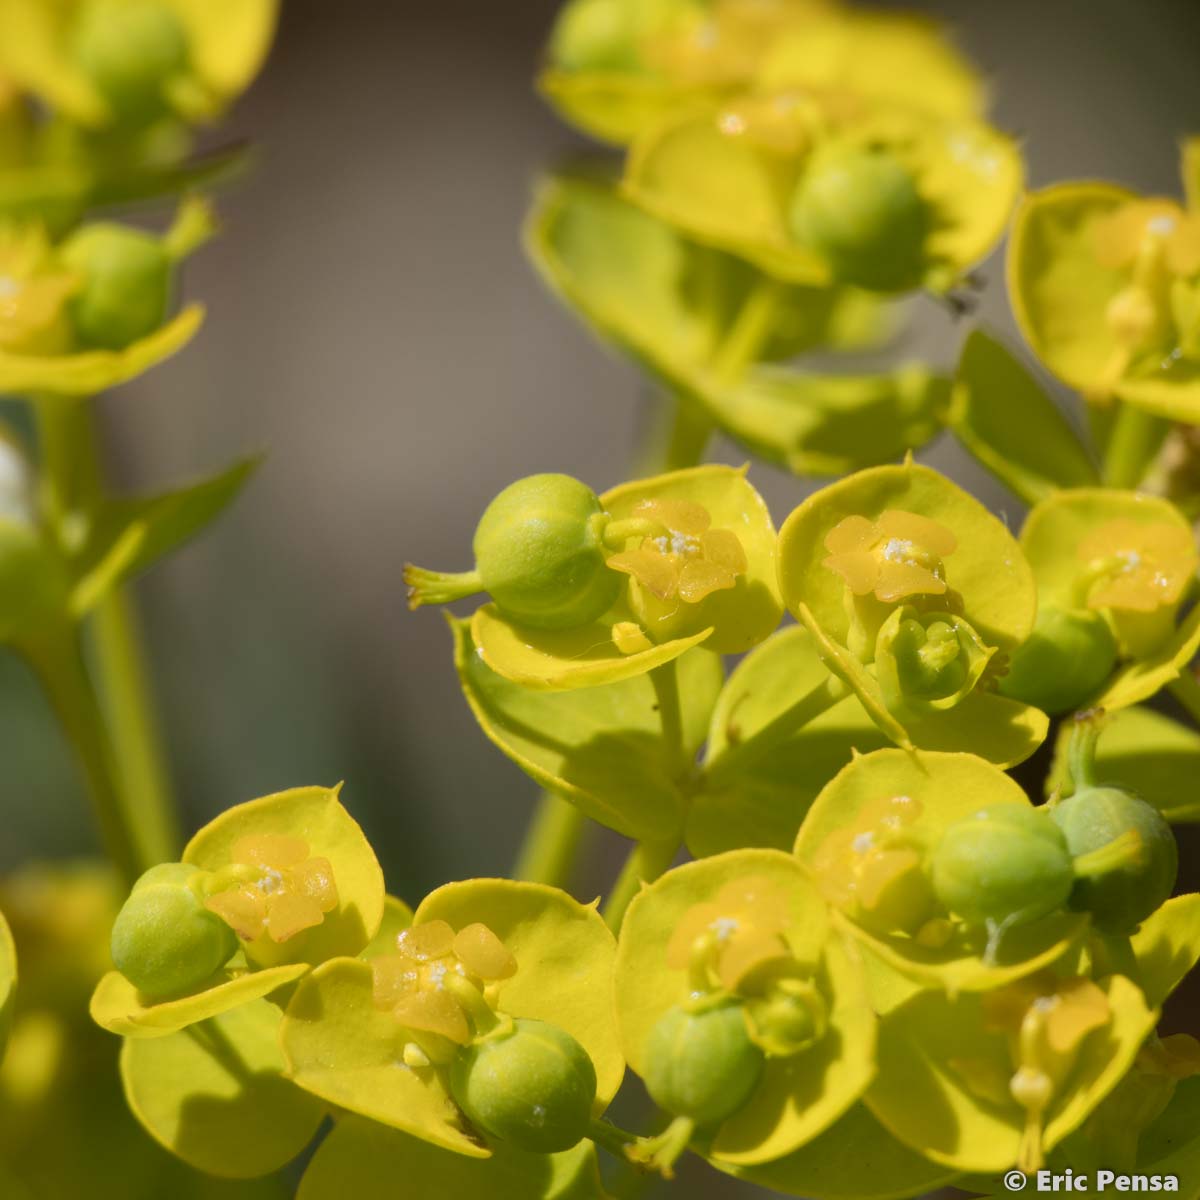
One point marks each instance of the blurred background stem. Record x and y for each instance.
(72, 490)
(551, 843)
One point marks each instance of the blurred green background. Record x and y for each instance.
(374, 328)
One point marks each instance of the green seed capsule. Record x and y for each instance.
(164, 941)
(126, 289)
(532, 1085)
(860, 209)
(1123, 895)
(1064, 662)
(131, 50)
(1006, 864)
(702, 1065)
(540, 555)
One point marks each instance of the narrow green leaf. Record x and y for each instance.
(133, 534)
(1011, 426)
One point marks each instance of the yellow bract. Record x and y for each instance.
(898, 555)
(287, 891)
(1152, 225)
(1137, 567)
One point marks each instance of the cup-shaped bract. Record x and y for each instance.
(135, 62)
(1132, 559)
(988, 1081)
(300, 880)
(888, 199)
(617, 66)
(95, 310)
(697, 551)
(750, 927)
(869, 838)
(1104, 284)
(382, 1039)
(910, 588)
(294, 878)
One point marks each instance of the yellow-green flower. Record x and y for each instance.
(867, 840)
(888, 199)
(731, 961)
(617, 66)
(1130, 559)
(134, 62)
(915, 595)
(1106, 288)
(987, 1081)
(293, 876)
(93, 311)
(695, 552)
(387, 1038)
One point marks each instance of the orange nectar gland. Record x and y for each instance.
(280, 892)
(1136, 567)
(1046, 1021)
(679, 555)
(894, 557)
(436, 986)
(873, 872)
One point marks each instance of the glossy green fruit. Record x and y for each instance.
(540, 554)
(702, 1065)
(532, 1086)
(126, 290)
(130, 50)
(164, 941)
(1119, 898)
(1064, 662)
(860, 209)
(1007, 863)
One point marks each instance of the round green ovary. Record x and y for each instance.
(130, 50)
(1118, 899)
(126, 287)
(532, 1086)
(1006, 863)
(702, 1065)
(164, 941)
(539, 553)
(1064, 662)
(860, 210)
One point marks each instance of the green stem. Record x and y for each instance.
(740, 755)
(72, 491)
(1186, 689)
(1081, 751)
(551, 842)
(676, 438)
(136, 733)
(1134, 438)
(56, 658)
(665, 679)
(750, 331)
(646, 862)
(611, 1137)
